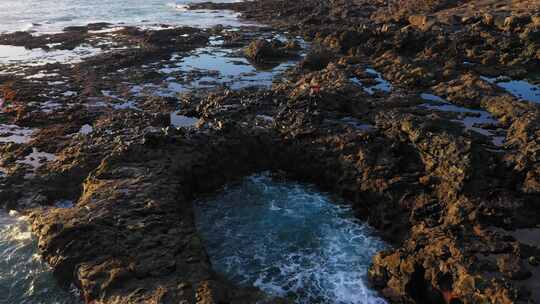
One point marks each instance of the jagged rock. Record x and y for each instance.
(441, 194)
(422, 22)
(317, 59)
(262, 51)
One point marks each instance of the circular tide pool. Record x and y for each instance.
(289, 240)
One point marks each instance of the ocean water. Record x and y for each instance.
(44, 16)
(289, 240)
(24, 277)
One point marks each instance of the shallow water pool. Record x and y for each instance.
(521, 89)
(289, 240)
(473, 120)
(37, 57)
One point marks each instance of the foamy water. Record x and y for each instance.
(24, 278)
(289, 240)
(44, 16)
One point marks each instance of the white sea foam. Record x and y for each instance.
(289, 240)
(179, 7)
(24, 278)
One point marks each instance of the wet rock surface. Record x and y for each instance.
(262, 51)
(393, 108)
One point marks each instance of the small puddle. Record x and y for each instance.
(381, 84)
(36, 57)
(289, 240)
(24, 278)
(36, 159)
(86, 129)
(521, 89)
(15, 134)
(529, 236)
(181, 121)
(473, 120)
(357, 124)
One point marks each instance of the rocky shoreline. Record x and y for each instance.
(395, 106)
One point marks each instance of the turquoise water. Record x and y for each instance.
(24, 277)
(289, 240)
(54, 15)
